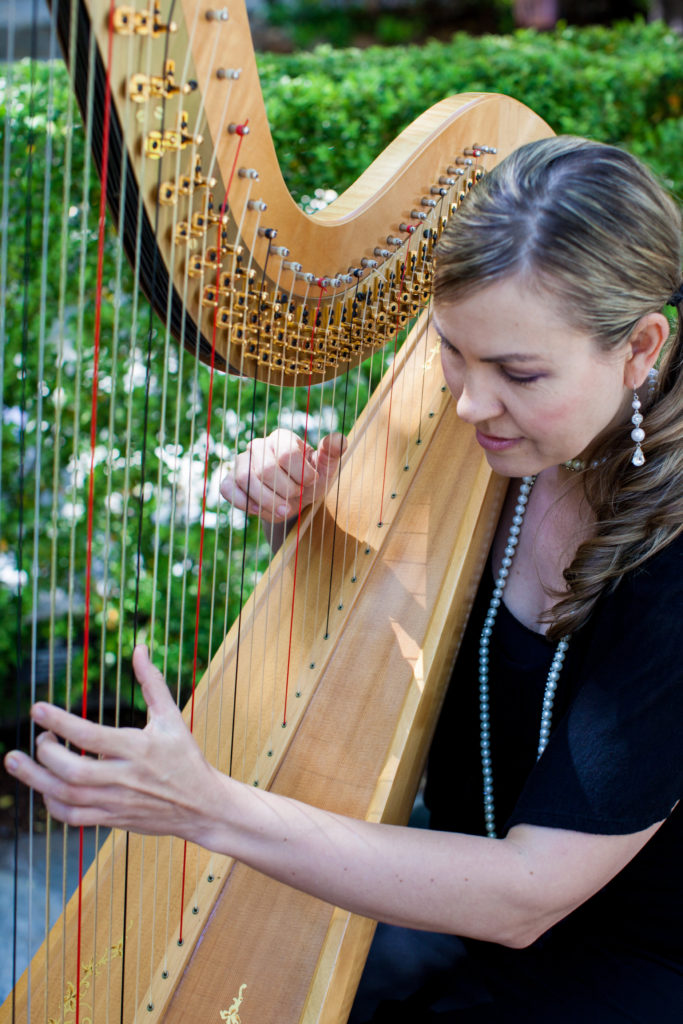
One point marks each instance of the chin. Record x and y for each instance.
(516, 465)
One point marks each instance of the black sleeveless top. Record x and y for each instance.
(614, 762)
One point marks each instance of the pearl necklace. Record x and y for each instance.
(553, 674)
(580, 465)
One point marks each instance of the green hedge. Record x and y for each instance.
(333, 111)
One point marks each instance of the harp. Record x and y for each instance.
(327, 684)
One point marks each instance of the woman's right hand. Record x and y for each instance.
(279, 474)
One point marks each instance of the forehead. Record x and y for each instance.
(510, 316)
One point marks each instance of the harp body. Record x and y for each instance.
(361, 611)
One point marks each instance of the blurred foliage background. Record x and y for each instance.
(332, 111)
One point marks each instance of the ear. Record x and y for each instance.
(643, 348)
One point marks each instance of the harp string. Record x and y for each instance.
(298, 520)
(185, 558)
(40, 433)
(91, 483)
(200, 576)
(3, 306)
(3, 282)
(23, 429)
(219, 229)
(224, 406)
(388, 431)
(336, 506)
(106, 583)
(4, 249)
(54, 527)
(195, 654)
(318, 607)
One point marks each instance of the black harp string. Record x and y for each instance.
(3, 347)
(5, 228)
(424, 365)
(245, 531)
(151, 332)
(338, 483)
(27, 264)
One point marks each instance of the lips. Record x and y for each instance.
(496, 444)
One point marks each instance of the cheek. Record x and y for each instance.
(555, 418)
(572, 418)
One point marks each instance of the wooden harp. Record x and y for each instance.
(328, 683)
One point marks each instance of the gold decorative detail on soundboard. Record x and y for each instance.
(89, 970)
(231, 1016)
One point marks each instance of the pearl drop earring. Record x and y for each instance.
(637, 434)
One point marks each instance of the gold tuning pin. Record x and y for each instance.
(171, 140)
(168, 193)
(127, 21)
(190, 182)
(142, 87)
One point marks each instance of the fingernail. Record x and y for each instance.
(283, 511)
(11, 763)
(38, 713)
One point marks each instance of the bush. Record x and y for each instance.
(340, 108)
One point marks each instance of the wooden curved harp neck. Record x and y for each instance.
(282, 295)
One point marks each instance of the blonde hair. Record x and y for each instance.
(588, 225)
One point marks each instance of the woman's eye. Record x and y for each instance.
(518, 379)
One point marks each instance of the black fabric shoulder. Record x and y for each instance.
(614, 762)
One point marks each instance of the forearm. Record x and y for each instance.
(156, 780)
(465, 885)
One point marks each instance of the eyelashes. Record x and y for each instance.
(520, 380)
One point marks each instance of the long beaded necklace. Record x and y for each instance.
(553, 674)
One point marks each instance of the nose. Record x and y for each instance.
(477, 403)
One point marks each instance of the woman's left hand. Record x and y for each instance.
(153, 780)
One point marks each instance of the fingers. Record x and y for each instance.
(74, 796)
(64, 780)
(278, 475)
(147, 780)
(80, 733)
(330, 451)
(157, 695)
(70, 768)
(266, 478)
(105, 740)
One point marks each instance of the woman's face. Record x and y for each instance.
(538, 391)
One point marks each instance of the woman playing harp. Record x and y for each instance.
(550, 892)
